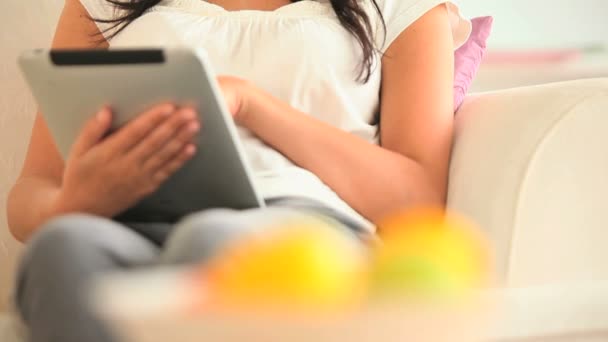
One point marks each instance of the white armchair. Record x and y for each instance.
(531, 166)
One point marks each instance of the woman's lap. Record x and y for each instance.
(59, 261)
(193, 239)
(200, 236)
(67, 251)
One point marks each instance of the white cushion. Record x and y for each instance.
(530, 166)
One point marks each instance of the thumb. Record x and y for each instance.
(93, 131)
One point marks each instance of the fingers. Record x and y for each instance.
(135, 131)
(168, 138)
(173, 147)
(93, 131)
(176, 163)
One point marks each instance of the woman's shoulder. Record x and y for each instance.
(398, 15)
(98, 9)
(396, 9)
(101, 11)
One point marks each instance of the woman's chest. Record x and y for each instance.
(306, 59)
(265, 47)
(261, 5)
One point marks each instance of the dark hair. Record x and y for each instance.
(351, 14)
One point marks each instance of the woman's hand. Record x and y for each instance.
(105, 176)
(235, 91)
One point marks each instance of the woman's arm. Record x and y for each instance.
(31, 197)
(411, 167)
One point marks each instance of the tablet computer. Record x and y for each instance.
(72, 85)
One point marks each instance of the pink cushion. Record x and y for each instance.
(467, 58)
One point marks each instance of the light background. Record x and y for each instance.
(543, 23)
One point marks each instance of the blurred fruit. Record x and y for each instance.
(301, 265)
(429, 252)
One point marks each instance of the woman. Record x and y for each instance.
(345, 109)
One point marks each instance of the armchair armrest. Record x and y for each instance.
(530, 165)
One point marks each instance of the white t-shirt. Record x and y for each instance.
(299, 53)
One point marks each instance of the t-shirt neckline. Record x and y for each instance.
(299, 8)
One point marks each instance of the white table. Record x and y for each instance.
(146, 308)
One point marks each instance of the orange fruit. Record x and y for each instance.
(300, 265)
(430, 252)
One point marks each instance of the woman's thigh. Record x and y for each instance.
(57, 265)
(200, 236)
(98, 242)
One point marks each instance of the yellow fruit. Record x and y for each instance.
(300, 265)
(430, 252)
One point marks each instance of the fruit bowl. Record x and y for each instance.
(311, 280)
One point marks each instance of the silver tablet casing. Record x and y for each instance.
(70, 90)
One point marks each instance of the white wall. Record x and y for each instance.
(543, 23)
(24, 24)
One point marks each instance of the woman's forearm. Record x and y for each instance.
(31, 202)
(372, 180)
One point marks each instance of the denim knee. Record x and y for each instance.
(199, 236)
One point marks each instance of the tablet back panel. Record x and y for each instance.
(71, 86)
